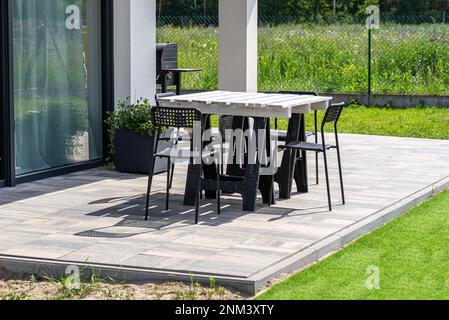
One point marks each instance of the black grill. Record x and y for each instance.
(168, 72)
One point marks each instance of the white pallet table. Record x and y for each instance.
(247, 104)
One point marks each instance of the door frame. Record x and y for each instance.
(6, 115)
(7, 96)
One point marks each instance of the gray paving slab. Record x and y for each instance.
(95, 218)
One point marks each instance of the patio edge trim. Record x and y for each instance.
(56, 269)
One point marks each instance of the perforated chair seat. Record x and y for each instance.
(307, 146)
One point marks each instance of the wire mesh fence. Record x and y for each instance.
(409, 54)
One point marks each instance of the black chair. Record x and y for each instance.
(282, 136)
(176, 137)
(179, 118)
(332, 116)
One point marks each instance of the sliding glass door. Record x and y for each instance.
(57, 91)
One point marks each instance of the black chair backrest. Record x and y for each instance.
(163, 95)
(175, 117)
(303, 93)
(333, 113)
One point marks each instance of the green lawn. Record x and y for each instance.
(431, 123)
(411, 252)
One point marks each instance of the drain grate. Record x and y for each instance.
(130, 223)
(105, 235)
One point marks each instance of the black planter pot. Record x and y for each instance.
(134, 153)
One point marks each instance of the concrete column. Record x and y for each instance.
(135, 49)
(238, 45)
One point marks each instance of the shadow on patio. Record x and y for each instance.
(131, 211)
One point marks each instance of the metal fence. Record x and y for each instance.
(409, 55)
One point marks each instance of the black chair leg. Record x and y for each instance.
(317, 168)
(326, 168)
(150, 182)
(218, 192)
(222, 156)
(341, 176)
(172, 174)
(167, 198)
(198, 197)
(271, 194)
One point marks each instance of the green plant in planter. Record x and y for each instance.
(135, 117)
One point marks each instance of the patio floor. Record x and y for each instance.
(94, 219)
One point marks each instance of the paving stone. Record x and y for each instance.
(102, 253)
(97, 215)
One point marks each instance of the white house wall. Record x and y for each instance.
(135, 49)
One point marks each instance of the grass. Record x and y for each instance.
(429, 123)
(411, 254)
(407, 59)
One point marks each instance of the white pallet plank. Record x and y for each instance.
(240, 98)
(265, 100)
(309, 101)
(283, 98)
(234, 110)
(248, 104)
(236, 98)
(288, 103)
(197, 96)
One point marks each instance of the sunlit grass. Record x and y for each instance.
(410, 253)
(407, 59)
(429, 123)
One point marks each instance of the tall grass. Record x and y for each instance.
(407, 59)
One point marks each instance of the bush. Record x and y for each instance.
(135, 117)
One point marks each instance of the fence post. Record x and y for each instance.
(369, 65)
(372, 22)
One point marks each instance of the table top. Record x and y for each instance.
(248, 104)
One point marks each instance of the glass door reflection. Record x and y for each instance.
(57, 86)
